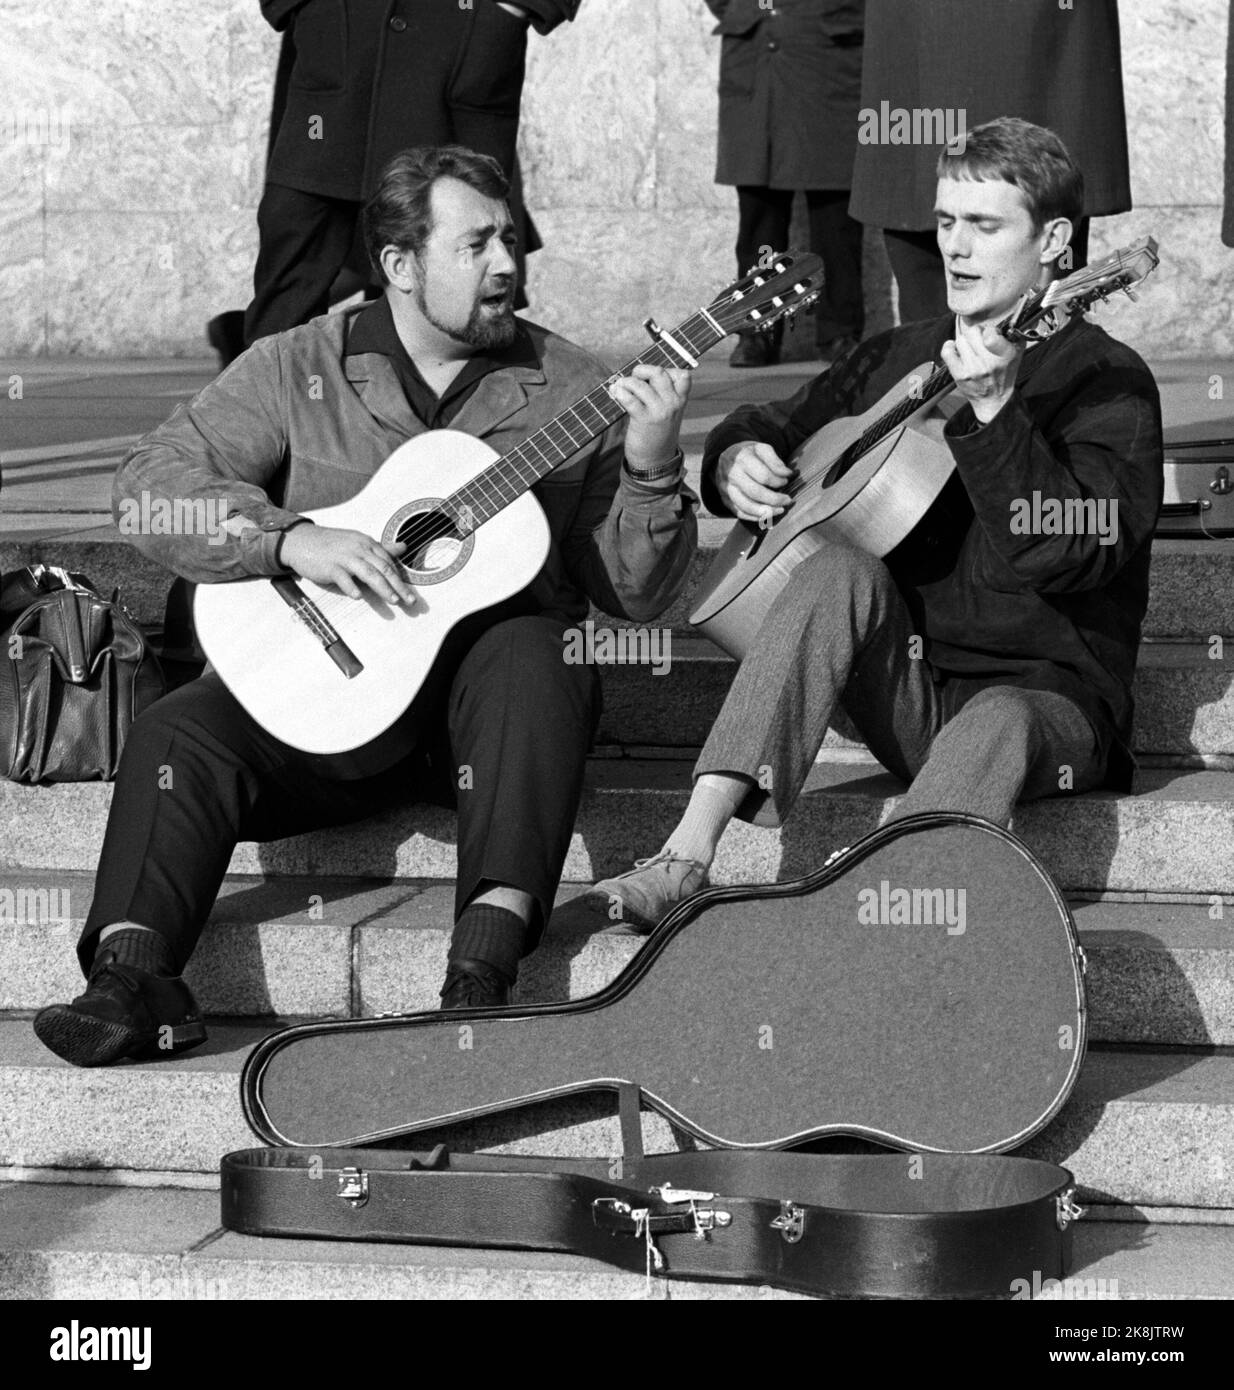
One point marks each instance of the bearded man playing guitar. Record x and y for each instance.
(502, 724)
(981, 662)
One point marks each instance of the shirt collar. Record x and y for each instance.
(373, 331)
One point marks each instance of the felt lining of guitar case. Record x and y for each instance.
(755, 1017)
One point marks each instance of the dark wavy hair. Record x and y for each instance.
(1029, 156)
(400, 211)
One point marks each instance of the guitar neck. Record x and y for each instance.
(565, 434)
(937, 384)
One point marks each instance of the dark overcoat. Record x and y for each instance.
(1058, 67)
(1227, 221)
(372, 77)
(790, 86)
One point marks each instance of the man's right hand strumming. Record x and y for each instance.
(345, 559)
(752, 479)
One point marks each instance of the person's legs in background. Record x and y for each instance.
(762, 225)
(304, 243)
(839, 315)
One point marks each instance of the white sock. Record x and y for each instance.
(713, 803)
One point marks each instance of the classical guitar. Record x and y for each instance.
(868, 479)
(328, 674)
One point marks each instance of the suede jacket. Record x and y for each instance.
(295, 424)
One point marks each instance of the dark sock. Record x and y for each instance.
(494, 935)
(143, 950)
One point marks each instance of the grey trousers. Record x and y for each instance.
(840, 634)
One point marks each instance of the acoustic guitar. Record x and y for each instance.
(868, 479)
(326, 673)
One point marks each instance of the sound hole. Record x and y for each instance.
(433, 541)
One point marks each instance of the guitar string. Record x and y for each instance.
(491, 483)
(489, 487)
(940, 377)
(495, 481)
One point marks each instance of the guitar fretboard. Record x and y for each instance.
(511, 475)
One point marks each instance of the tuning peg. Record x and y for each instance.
(1130, 293)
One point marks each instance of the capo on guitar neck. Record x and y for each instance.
(669, 343)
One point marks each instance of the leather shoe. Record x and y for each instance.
(642, 897)
(756, 349)
(831, 352)
(225, 334)
(475, 984)
(124, 1012)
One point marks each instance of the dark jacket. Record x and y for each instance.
(1039, 611)
(790, 86)
(295, 424)
(1057, 67)
(372, 77)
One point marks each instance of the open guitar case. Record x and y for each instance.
(924, 990)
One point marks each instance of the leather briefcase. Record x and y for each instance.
(79, 671)
(923, 990)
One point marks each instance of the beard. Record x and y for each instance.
(486, 328)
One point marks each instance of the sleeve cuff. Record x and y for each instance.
(666, 472)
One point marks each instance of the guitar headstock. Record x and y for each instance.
(787, 283)
(1044, 312)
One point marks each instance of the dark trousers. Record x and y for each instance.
(198, 775)
(840, 634)
(917, 265)
(763, 221)
(303, 243)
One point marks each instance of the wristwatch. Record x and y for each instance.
(664, 471)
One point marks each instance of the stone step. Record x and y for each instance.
(671, 696)
(1152, 1128)
(84, 1243)
(312, 947)
(1191, 595)
(1172, 836)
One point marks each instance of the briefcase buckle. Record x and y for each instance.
(791, 1222)
(353, 1186)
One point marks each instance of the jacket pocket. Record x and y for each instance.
(490, 76)
(319, 30)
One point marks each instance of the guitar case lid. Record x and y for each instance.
(923, 990)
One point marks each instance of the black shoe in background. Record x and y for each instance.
(225, 333)
(757, 349)
(124, 1012)
(474, 984)
(832, 351)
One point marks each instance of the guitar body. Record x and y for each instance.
(757, 1017)
(872, 506)
(278, 668)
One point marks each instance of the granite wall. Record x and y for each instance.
(132, 141)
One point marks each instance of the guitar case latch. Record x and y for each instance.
(353, 1186)
(1068, 1210)
(791, 1222)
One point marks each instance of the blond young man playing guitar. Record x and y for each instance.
(981, 665)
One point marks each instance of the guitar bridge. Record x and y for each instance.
(319, 625)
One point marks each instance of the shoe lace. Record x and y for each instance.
(465, 985)
(665, 856)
